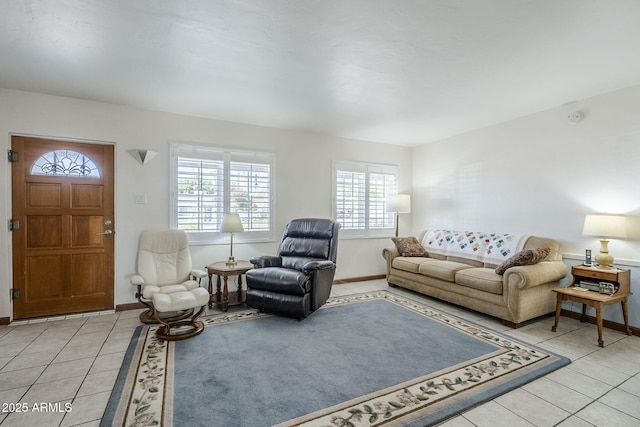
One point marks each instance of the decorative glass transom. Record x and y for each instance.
(65, 163)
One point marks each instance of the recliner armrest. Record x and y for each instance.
(318, 265)
(136, 280)
(198, 274)
(262, 261)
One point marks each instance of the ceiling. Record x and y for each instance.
(400, 72)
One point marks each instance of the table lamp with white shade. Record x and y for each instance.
(398, 203)
(231, 223)
(604, 226)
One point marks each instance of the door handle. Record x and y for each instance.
(105, 233)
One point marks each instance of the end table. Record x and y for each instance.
(222, 296)
(573, 292)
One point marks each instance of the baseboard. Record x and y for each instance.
(4, 320)
(358, 279)
(130, 306)
(605, 323)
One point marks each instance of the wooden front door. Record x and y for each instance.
(63, 241)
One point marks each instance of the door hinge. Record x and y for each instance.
(13, 156)
(15, 293)
(14, 224)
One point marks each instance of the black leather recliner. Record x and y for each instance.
(298, 280)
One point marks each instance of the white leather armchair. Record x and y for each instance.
(164, 266)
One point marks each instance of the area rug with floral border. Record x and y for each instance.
(361, 360)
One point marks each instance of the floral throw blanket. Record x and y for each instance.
(485, 247)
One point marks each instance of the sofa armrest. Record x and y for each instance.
(528, 276)
(262, 261)
(389, 254)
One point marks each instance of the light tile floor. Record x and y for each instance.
(46, 365)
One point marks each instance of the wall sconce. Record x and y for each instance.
(398, 203)
(142, 156)
(605, 226)
(231, 224)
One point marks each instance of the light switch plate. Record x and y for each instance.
(141, 199)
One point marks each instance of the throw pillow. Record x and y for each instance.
(526, 257)
(409, 246)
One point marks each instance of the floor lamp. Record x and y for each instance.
(398, 203)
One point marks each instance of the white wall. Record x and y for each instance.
(303, 175)
(534, 175)
(540, 175)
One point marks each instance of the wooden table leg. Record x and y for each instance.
(625, 314)
(598, 307)
(225, 294)
(210, 291)
(583, 318)
(558, 310)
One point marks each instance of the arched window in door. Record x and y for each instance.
(65, 163)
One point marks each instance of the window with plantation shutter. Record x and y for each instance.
(360, 191)
(209, 182)
(350, 199)
(250, 187)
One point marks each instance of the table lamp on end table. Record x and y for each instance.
(604, 226)
(231, 224)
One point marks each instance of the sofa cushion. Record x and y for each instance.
(409, 263)
(280, 280)
(409, 246)
(471, 262)
(526, 257)
(483, 279)
(444, 270)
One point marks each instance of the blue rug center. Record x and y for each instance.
(264, 371)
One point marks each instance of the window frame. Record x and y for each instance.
(367, 168)
(226, 155)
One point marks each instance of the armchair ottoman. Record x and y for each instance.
(180, 301)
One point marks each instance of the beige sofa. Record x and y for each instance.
(460, 267)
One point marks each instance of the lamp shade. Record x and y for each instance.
(231, 223)
(400, 203)
(604, 225)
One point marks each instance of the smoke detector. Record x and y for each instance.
(575, 117)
